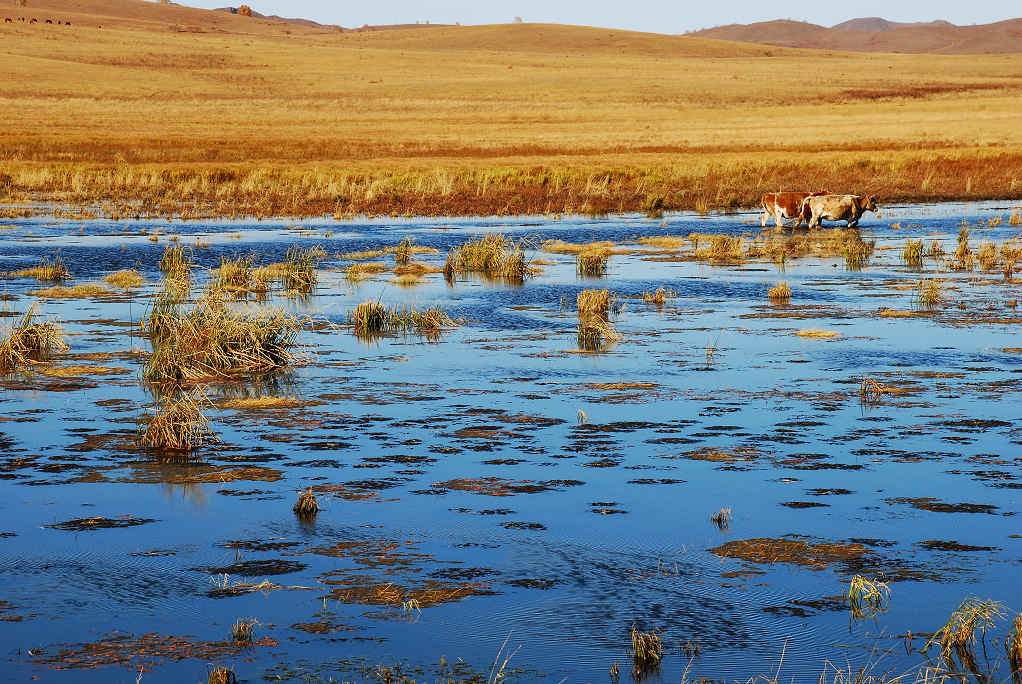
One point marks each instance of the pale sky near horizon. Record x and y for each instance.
(641, 15)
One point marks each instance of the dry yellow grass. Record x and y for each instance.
(73, 292)
(500, 119)
(126, 279)
(817, 334)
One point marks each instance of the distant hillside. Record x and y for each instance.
(874, 34)
(155, 16)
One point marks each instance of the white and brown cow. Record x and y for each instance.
(784, 205)
(848, 208)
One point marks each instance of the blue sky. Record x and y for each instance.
(663, 16)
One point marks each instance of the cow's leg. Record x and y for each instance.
(778, 216)
(763, 218)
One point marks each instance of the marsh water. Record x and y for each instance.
(468, 503)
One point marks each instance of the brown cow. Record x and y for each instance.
(848, 208)
(784, 205)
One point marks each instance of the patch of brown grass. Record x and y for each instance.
(74, 292)
(125, 279)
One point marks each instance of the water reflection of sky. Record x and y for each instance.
(404, 424)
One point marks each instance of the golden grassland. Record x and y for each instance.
(488, 120)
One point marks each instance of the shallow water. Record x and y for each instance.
(456, 471)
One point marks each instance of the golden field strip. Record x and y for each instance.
(479, 120)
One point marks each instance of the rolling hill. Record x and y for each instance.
(874, 34)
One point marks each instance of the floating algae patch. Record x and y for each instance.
(99, 523)
(768, 551)
(934, 505)
(147, 652)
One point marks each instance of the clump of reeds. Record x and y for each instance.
(48, 271)
(780, 293)
(298, 271)
(176, 261)
(647, 652)
(958, 635)
(243, 630)
(857, 251)
(220, 675)
(233, 275)
(930, 293)
(592, 263)
(214, 341)
(963, 257)
(372, 318)
(1013, 643)
(913, 253)
(722, 518)
(29, 342)
(867, 597)
(124, 279)
(491, 255)
(403, 253)
(176, 424)
(659, 297)
(1016, 218)
(595, 333)
(593, 303)
(987, 256)
(306, 507)
(726, 248)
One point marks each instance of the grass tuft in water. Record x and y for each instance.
(243, 630)
(306, 507)
(647, 652)
(28, 342)
(963, 258)
(298, 271)
(403, 252)
(176, 424)
(913, 253)
(595, 333)
(125, 279)
(47, 271)
(1013, 645)
(958, 635)
(214, 341)
(930, 293)
(492, 255)
(176, 261)
(372, 319)
(987, 256)
(780, 293)
(593, 303)
(857, 252)
(592, 263)
(722, 518)
(867, 597)
(220, 675)
(659, 297)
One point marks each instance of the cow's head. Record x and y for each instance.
(870, 204)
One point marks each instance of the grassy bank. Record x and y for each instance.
(444, 191)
